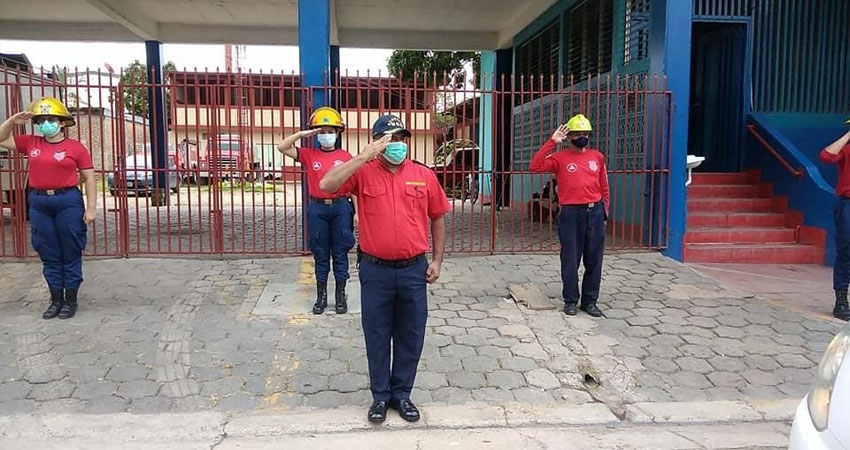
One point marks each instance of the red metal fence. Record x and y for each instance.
(232, 192)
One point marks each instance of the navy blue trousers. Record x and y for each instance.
(59, 235)
(581, 231)
(331, 230)
(841, 269)
(394, 312)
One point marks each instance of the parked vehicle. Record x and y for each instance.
(228, 156)
(140, 173)
(822, 417)
(456, 167)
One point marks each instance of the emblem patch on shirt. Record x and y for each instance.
(35, 152)
(572, 167)
(415, 183)
(338, 163)
(59, 156)
(593, 166)
(317, 165)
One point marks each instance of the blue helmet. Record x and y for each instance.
(388, 124)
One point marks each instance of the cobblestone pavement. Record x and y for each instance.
(179, 335)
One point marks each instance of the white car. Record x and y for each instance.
(822, 421)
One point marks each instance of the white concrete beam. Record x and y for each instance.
(334, 22)
(418, 40)
(522, 18)
(128, 15)
(227, 34)
(63, 31)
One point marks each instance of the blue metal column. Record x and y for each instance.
(677, 67)
(157, 122)
(314, 50)
(485, 119)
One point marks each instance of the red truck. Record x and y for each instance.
(228, 156)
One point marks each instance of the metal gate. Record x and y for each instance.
(230, 192)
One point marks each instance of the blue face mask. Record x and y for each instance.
(48, 128)
(395, 152)
(327, 140)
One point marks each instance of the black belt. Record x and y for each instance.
(584, 205)
(52, 192)
(392, 263)
(329, 201)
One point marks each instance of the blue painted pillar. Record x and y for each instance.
(157, 122)
(485, 121)
(677, 67)
(314, 54)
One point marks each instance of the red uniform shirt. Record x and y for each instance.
(317, 163)
(581, 176)
(842, 188)
(395, 210)
(53, 165)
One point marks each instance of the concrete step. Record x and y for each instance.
(724, 191)
(719, 220)
(736, 205)
(752, 253)
(740, 235)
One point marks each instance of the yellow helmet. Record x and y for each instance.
(326, 117)
(579, 123)
(49, 106)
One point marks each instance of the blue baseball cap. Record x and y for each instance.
(389, 124)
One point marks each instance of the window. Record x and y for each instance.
(590, 25)
(636, 31)
(539, 56)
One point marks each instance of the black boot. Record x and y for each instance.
(69, 308)
(842, 309)
(340, 298)
(57, 297)
(321, 298)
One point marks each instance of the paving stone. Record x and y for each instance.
(222, 387)
(729, 332)
(466, 380)
(516, 331)
(663, 351)
(760, 378)
(662, 365)
(17, 407)
(689, 364)
(451, 395)
(518, 364)
(14, 390)
(793, 361)
(480, 364)
(52, 391)
(505, 379)
(106, 405)
(494, 352)
(534, 396)
(61, 406)
(128, 372)
(450, 330)
(726, 379)
(493, 395)
(309, 383)
(690, 380)
(532, 350)
(759, 362)
(457, 351)
(640, 332)
(641, 321)
(138, 389)
(430, 380)
(353, 382)
(444, 364)
(238, 402)
(329, 367)
(543, 379)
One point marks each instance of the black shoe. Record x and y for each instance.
(842, 309)
(570, 309)
(378, 411)
(340, 299)
(321, 298)
(406, 409)
(69, 308)
(57, 297)
(592, 310)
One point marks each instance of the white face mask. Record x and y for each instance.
(327, 140)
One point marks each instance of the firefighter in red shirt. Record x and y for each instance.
(584, 199)
(837, 153)
(58, 215)
(397, 199)
(329, 216)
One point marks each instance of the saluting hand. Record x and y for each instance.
(309, 133)
(374, 148)
(560, 135)
(433, 272)
(21, 118)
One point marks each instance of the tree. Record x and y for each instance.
(403, 64)
(135, 85)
